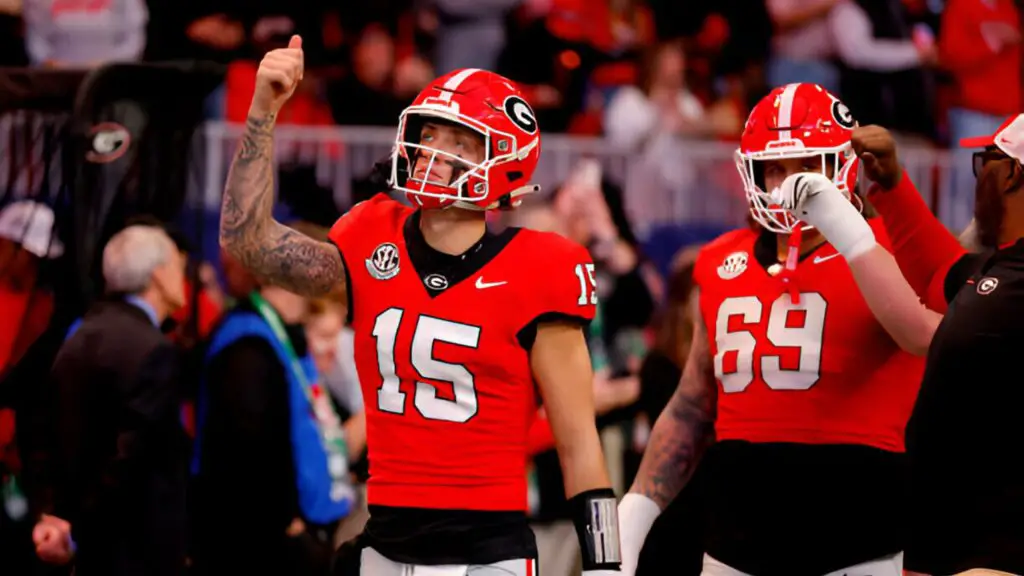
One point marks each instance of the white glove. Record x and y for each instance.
(637, 514)
(814, 199)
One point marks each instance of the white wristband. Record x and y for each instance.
(841, 224)
(637, 514)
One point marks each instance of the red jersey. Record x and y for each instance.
(441, 347)
(820, 371)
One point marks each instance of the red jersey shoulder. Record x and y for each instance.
(724, 257)
(378, 213)
(563, 280)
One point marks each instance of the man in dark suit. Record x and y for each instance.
(120, 454)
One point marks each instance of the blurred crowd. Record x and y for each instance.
(644, 74)
(631, 69)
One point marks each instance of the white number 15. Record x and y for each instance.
(588, 287)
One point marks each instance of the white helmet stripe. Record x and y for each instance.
(786, 110)
(453, 83)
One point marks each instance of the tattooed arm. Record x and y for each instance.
(270, 250)
(677, 442)
(683, 429)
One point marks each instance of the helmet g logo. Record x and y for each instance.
(520, 113)
(841, 114)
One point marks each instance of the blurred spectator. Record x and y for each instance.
(591, 209)
(209, 297)
(270, 463)
(227, 30)
(873, 36)
(390, 14)
(663, 365)
(569, 54)
(882, 80)
(120, 453)
(325, 330)
(84, 33)
(332, 344)
(238, 282)
(592, 212)
(802, 46)
(369, 95)
(17, 554)
(12, 43)
(238, 33)
(980, 46)
(27, 238)
(660, 106)
(214, 36)
(470, 33)
(677, 537)
(612, 27)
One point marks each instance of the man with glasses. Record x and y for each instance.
(963, 441)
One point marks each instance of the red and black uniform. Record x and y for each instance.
(966, 495)
(442, 349)
(813, 398)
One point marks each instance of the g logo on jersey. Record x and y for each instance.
(436, 282)
(841, 114)
(987, 285)
(734, 265)
(520, 113)
(383, 263)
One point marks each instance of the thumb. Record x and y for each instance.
(43, 536)
(295, 43)
(868, 159)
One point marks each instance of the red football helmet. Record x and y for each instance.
(489, 105)
(795, 121)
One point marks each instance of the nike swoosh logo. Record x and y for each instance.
(480, 284)
(820, 259)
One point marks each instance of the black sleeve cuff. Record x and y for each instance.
(528, 334)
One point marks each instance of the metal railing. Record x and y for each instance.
(708, 192)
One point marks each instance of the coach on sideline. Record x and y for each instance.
(120, 453)
(964, 438)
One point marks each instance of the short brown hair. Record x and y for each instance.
(320, 306)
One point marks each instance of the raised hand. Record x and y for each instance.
(814, 199)
(876, 149)
(52, 538)
(279, 74)
(798, 191)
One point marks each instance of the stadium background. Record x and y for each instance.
(654, 91)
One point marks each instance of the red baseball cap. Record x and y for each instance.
(1009, 136)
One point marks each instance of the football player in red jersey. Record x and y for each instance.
(453, 327)
(804, 391)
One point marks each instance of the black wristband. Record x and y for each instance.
(595, 515)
